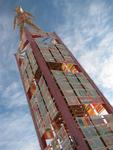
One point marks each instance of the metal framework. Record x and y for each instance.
(79, 117)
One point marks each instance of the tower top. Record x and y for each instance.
(23, 18)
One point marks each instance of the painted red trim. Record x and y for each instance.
(36, 36)
(62, 106)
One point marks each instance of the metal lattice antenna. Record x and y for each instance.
(22, 19)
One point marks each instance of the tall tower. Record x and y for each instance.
(68, 110)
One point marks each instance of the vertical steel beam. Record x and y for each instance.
(59, 99)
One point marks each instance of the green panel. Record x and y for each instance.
(24, 64)
(62, 134)
(89, 132)
(83, 121)
(26, 82)
(108, 139)
(55, 144)
(64, 139)
(65, 53)
(46, 120)
(82, 78)
(35, 68)
(62, 49)
(97, 120)
(74, 81)
(48, 99)
(87, 86)
(38, 96)
(41, 104)
(52, 111)
(42, 108)
(81, 93)
(76, 86)
(31, 58)
(46, 54)
(66, 88)
(56, 54)
(68, 58)
(29, 72)
(92, 93)
(104, 129)
(66, 145)
(85, 100)
(95, 143)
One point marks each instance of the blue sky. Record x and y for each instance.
(85, 26)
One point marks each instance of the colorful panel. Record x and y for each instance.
(104, 129)
(46, 53)
(57, 55)
(89, 132)
(83, 121)
(66, 88)
(108, 139)
(95, 143)
(65, 53)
